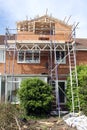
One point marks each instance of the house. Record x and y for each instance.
(43, 47)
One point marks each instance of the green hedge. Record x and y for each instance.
(82, 90)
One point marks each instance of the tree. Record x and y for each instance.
(35, 96)
(82, 89)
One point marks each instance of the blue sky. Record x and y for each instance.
(12, 11)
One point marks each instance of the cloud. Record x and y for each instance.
(17, 10)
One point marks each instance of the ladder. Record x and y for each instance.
(73, 76)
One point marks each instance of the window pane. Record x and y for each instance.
(3, 91)
(61, 92)
(12, 87)
(59, 56)
(2, 56)
(28, 56)
(36, 55)
(62, 54)
(21, 56)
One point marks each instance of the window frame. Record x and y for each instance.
(56, 89)
(32, 59)
(12, 86)
(64, 81)
(60, 60)
(3, 55)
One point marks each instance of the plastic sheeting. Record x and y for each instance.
(80, 122)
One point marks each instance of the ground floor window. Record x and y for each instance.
(12, 93)
(10, 85)
(59, 91)
(8, 89)
(61, 85)
(2, 91)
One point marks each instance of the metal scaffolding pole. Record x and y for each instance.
(56, 78)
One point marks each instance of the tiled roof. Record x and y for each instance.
(81, 44)
(2, 37)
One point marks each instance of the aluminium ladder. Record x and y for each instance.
(73, 76)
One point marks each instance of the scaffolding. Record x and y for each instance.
(46, 42)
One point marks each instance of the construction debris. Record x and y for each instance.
(76, 121)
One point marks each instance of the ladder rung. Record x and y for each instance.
(76, 106)
(72, 58)
(74, 83)
(72, 67)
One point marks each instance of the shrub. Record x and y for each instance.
(82, 89)
(8, 116)
(35, 96)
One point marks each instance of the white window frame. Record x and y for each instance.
(32, 60)
(65, 89)
(56, 87)
(60, 60)
(13, 85)
(2, 53)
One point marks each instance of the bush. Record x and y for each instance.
(35, 96)
(82, 89)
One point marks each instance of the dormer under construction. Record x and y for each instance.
(44, 27)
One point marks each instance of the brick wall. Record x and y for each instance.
(39, 68)
(81, 57)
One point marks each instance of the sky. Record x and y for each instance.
(72, 11)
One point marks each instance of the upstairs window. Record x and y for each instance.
(2, 56)
(44, 28)
(28, 57)
(60, 57)
(21, 56)
(43, 38)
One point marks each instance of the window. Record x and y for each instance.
(36, 56)
(2, 56)
(61, 85)
(61, 89)
(12, 87)
(21, 56)
(60, 57)
(43, 38)
(28, 57)
(44, 28)
(9, 93)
